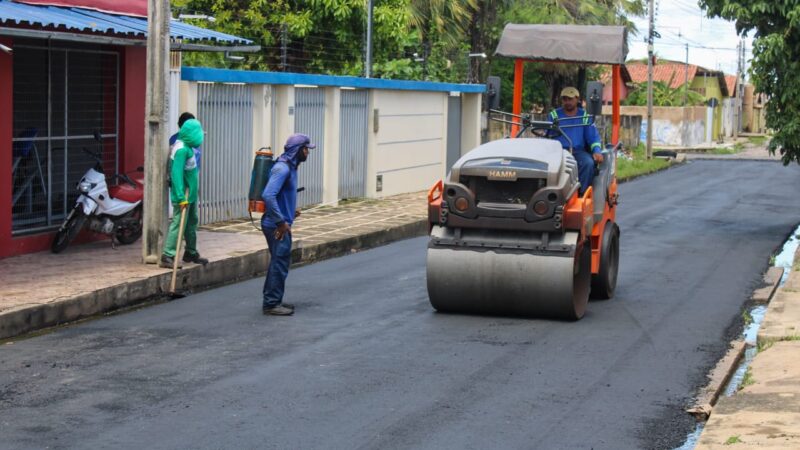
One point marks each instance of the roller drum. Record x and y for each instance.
(509, 282)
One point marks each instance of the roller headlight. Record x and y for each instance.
(84, 187)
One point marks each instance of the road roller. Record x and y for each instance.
(510, 234)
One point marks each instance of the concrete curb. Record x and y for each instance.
(248, 265)
(721, 374)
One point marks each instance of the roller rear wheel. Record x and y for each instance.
(604, 283)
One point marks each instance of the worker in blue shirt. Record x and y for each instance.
(580, 129)
(280, 200)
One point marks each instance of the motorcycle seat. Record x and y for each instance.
(126, 192)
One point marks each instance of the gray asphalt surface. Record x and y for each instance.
(366, 363)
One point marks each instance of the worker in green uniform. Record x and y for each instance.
(183, 194)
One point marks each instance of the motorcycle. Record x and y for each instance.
(115, 211)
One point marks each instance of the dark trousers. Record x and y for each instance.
(585, 168)
(280, 258)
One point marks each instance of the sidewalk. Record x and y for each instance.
(42, 289)
(765, 412)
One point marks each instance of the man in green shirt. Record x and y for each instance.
(183, 194)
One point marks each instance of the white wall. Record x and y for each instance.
(408, 150)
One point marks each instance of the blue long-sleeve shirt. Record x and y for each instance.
(280, 195)
(581, 130)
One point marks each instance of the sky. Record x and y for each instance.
(712, 42)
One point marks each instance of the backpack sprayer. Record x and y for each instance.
(262, 166)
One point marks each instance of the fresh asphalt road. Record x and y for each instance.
(366, 363)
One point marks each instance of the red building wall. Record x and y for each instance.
(132, 121)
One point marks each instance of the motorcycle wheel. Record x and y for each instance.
(129, 234)
(69, 230)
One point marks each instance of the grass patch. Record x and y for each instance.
(639, 165)
(733, 440)
(747, 379)
(737, 148)
(764, 345)
(772, 260)
(757, 140)
(747, 318)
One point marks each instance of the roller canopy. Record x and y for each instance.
(564, 43)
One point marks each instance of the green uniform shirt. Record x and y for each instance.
(183, 173)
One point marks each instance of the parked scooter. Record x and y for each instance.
(114, 211)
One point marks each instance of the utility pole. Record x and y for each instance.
(155, 131)
(650, 35)
(368, 62)
(686, 77)
(736, 106)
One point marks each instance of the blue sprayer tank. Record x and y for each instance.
(262, 166)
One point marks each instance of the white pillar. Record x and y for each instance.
(330, 170)
(283, 96)
(262, 117)
(470, 121)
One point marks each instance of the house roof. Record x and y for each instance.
(605, 77)
(89, 23)
(730, 82)
(675, 74)
(127, 7)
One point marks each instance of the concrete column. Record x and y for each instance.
(262, 117)
(470, 121)
(330, 171)
(373, 109)
(283, 96)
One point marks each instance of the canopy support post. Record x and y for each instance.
(616, 81)
(518, 64)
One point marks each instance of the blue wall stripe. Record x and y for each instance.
(252, 77)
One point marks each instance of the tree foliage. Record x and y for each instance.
(775, 68)
(412, 39)
(664, 95)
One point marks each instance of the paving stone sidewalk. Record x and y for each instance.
(765, 412)
(42, 289)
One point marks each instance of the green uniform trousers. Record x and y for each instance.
(189, 230)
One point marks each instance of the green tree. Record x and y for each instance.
(774, 67)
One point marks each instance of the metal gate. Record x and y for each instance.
(309, 110)
(226, 112)
(353, 144)
(453, 131)
(64, 100)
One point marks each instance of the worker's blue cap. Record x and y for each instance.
(299, 139)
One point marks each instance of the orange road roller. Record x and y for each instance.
(510, 235)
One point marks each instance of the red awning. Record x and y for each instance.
(128, 7)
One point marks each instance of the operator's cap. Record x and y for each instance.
(570, 92)
(300, 139)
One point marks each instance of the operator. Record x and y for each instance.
(581, 131)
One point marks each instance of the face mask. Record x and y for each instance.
(302, 155)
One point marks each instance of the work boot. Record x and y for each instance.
(280, 310)
(168, 262)
(194, 258)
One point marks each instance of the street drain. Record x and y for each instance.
(784, 259)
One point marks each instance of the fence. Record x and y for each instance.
(374, 137)
(226, 112)
(353, 144)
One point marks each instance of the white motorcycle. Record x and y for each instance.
(114, 211)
